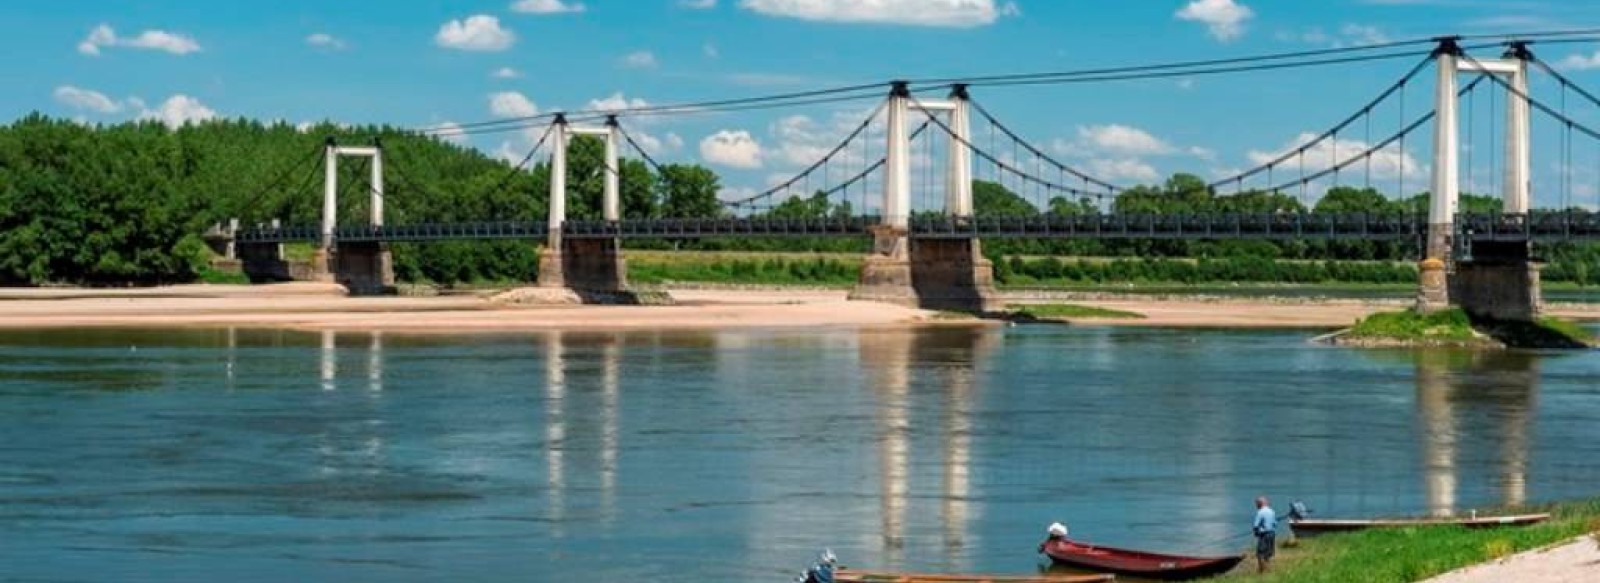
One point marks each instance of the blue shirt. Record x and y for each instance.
(1266, 521)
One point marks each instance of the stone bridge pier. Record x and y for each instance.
(939, 274)
(1500, 282)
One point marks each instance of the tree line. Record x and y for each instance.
(126, 204)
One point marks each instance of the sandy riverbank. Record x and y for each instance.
(1572, 562)
(319, 306)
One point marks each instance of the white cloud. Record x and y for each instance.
(84, 99)
(943, 13)
(735, 193)
(735, 149)
(1580, 62)
(104, 36)
(548, 7)
(327, 41)
(698, 4)
(1117, 139)
(476, 33)
(1224, 19)
(178, 111)
(511, 104)
(1122, 170)
(1386, 163)
(506, 73)
(616, 102)
(1349, 35)
(710, 51)
(640, 60)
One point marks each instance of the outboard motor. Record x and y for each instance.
(1298, 511)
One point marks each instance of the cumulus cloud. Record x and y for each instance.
(178, 111)
(326, 41)
(506, 73)
(87, 100)
(1114, 139)
(941, 13)
(104, 36)
(1224, 19)
(1386, 163)
(548, 7)
(511, 104)
(1580, 62)
(735, 149)
(640, 60)
(698, 4)
(475, 33)
(1123, 170)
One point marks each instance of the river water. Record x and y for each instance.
(235, 455)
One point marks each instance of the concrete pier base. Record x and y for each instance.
(364, 268)
(1499, 283)
(594, 269)
(934, 274)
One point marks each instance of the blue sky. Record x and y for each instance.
(416, 63)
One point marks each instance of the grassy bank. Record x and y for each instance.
(1455, 328)
(1416, 554)
(1071, 312)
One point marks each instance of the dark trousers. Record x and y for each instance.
(1266, 545)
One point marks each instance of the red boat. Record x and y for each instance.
(1137, 563)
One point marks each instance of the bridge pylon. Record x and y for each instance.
(1498, 280)
(364, 268)
(946, 274)
(591, 268)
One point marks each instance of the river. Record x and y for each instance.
(235, 455)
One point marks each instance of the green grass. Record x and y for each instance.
(1568, 328)
(216, 277)
(740, 268)
(1446, 326)
(1414, 554)
(1072, 311)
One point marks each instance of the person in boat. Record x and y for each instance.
(823, 571)
(1055, 534)
(1265, 528)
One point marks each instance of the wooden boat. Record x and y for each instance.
(1137, 563)
(1309, 526)
(854, 576)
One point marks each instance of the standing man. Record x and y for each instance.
(1266, 530)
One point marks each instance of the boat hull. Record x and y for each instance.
(1138, 563)
(1317, 526)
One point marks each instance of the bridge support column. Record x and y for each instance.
(1433, 293)
(1499, 283)
(364, 268)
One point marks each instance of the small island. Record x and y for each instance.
(1454, 328)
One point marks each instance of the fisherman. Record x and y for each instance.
(823, 571)
(1265, 528)
(1056, 533)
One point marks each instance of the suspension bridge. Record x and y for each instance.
(926, 237)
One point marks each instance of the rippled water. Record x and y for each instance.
(735, 456)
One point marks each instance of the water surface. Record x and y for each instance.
(735, 456)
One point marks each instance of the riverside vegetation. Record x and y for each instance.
(1404, 555)
(125, 205)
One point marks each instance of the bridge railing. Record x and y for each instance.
(1177, 226)
(1539, 225)
(721, 227)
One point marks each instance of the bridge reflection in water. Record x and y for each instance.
(1486, 397)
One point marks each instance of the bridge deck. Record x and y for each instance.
(1538, 226)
